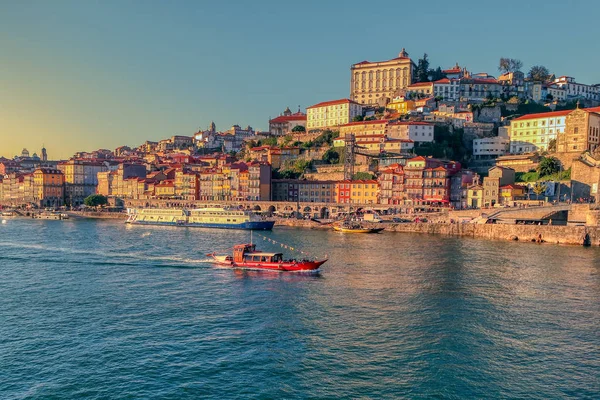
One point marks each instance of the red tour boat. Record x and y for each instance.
(246, 256)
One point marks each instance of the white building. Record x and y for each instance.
(415, 131)
(490, 147)
(447, 89)
(577, 90)
(331, 114)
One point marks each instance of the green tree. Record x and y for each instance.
(358, 118)
(364, 176)
(298, 128)
(548, 166)
(422, 71)
(331, 156)
(538, 73)
(437, 74)
(95, 200)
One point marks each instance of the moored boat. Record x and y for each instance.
(247, 257)
(214, 217)
(350, 227)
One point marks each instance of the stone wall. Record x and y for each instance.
(549, 234)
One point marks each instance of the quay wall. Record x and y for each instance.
(549, 233)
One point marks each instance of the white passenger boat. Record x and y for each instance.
(215, 217)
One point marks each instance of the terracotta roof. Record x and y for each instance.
(451, 71)
(288, 118)
(511, 187)
(421, 84)
(377, 121)
(443, 80)
(332, 103)
(544, 115)
(411, 123)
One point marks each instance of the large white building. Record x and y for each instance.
(331, 114)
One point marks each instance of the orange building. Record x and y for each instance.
(49, 187)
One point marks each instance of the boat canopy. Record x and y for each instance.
(265, 254)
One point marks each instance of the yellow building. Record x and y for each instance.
(364, 128)
(331, 114)
(533, 132)
(475, 196)
(165, 189)
(364, 192)
(48, 187)
(372, 83)
(401, 105)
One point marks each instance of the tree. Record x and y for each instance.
(95, 200)
(422, 71)
(437, 74)
(364, 176)
(538, 73)
(548, 166)
(358, 118)
(298, 128)
(552, 145)
(539, 188)
(331, 156)
(509, 65)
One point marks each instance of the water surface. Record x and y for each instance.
(97, 309)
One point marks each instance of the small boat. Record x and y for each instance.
(50, 215)
(354, 227)
(246, 256)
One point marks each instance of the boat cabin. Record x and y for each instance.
(247, 253)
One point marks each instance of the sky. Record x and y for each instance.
(82, 75)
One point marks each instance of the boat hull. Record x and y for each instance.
(357, 230)
(250, 225)
(269, 266)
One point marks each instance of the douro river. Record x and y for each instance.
(100, 310)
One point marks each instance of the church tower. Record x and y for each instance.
(44, 154)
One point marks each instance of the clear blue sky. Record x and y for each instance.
(82, 75)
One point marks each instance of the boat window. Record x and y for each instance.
(263, 259)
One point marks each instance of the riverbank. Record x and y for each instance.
(574, 235)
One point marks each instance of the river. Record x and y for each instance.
(98, 309)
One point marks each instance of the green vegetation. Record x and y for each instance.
(331, 156)
(298, 128)
(538, 73)
(292, 170)
(534, 176)
(95, 200)
(448, 145)
(422, 70)
(548, 166)
(358, 118)
(365, 176)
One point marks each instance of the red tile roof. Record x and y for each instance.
(332, 103)
(376, 121)
(421, 84)
(549, 114)
(288, 118)
(443, 80)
